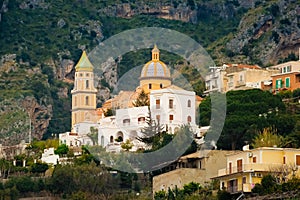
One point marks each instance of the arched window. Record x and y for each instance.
(111, 139)
(161, 85)
(120, 136)
(126, 122)
(189, 119)
(141, 120)
(102, 140)
(87, 84)
(189, 103)
(150, 86)
(87, 100)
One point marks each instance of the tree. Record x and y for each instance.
(152, 132)
(108, 112)
(248, 112)
(268, 185)
(127, 145)
(93, 135)
(142, 100)
(191, 188)
(62, 150)
(39, 168)
(268, 138)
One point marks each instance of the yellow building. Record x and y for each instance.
(246, 168)
(84, 93)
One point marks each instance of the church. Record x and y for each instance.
(169, 105)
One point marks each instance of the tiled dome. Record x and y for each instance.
(155, 68)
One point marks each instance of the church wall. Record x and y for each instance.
(155, 84)
(179, 111)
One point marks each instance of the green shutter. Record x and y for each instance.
(278, 83)
(287, 82)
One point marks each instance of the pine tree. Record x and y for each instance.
(152, 132)
(142, 100)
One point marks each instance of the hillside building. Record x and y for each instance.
(170, 105)
(287, 78)
(198, 167)
(238, 77)
(246, 168)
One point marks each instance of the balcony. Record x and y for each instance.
(240, 83)
(245, 187)
(249, 168)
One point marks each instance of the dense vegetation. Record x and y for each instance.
(41, 44)
(248, 113)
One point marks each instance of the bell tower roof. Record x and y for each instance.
(84, 63)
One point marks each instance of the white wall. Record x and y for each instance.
(180, 110)
(83, 128)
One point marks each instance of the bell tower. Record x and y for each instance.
(84, 92)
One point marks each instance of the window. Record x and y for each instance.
(171, 103)
(278, 83)
(161, 85)
(288, 68)
(87, 84)
(80, 75)
(102, 140)
(239, 165)
(87, 100)
(126, 121)
(284, 162)
(75, 101)
(158, 118)
(157, 103)
(111, 139)
(120, 136)
(141, 120)
(254, 159)
(87, 74)
(150, 86)
(244, 180)
(189, 119)
(189, 103)
(297, 159)
(171, 117)
(287, 82)
(230, 168)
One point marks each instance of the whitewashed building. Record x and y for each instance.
(49, 157)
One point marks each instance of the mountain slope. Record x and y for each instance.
(42, 39)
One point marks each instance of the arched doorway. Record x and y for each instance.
(120, 136)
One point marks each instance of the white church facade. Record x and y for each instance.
(170, 106)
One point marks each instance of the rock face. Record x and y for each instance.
(186, 12)
(16, 116)
(40, 116)
(268, 33)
